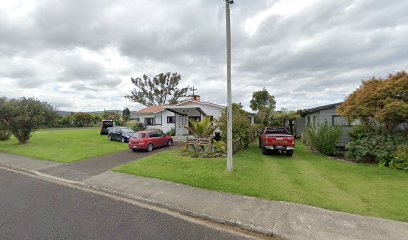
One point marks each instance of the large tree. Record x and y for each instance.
(26, 115)
(264, 104)
(162, 89)
(125, 115)
(379, 102)
(288, 115)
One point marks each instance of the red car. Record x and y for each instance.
(277, 140)
(149, 140)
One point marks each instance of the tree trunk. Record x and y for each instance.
(291, 127)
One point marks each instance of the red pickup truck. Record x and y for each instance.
(276, 140)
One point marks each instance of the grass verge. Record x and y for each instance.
(306, 178)
(63, 145)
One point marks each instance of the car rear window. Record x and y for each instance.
(107, 124)
(276, 131)
(139, 135)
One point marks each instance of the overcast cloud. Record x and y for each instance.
(80, 55)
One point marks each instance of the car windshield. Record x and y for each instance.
(276, 131)
(139, 135)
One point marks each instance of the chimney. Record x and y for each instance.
(196, 98)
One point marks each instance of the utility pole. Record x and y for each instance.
(229, 97)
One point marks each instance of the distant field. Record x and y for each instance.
(63, 145)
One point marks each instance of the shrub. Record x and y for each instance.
(5, 134)
(220, 146)
(24, 116)
(202, 129)
(139, 127)
(241, 127)
(171, 132)
(377, 148)
(401, 159)
(322, 138)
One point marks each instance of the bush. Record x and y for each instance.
(376, 148)
(220, 146)
(171, 132)
(24, 116)
(139, 127)
(5, 134)
(322, 138)
(241, 129)
(401, 159)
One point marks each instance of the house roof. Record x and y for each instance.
(151, 109)
(187, 102)
(333, 105)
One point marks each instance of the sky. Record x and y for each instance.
(80, 55)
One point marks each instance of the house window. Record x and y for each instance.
(149, 121)
(308, 121)
(171, 119)
(211, 118)
(314, 120)
(339, 121)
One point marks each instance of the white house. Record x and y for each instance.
(178, 116)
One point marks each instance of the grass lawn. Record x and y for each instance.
(63, 145)
(305, 178)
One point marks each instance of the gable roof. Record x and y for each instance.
(151, 109)
(187, 102)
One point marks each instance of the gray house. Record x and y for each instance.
(324, 115)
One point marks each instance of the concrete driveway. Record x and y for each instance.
(87, 168)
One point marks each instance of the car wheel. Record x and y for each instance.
(150, 147)
(169, 143)
(289, 152)
(109, 138)
(123, 140)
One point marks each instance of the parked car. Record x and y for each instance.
(149, 140)
(122, 134)
(106, 125)
(276, 140)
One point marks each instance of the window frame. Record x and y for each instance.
(172, 117)
(149, 118)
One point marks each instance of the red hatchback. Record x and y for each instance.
(149, 139)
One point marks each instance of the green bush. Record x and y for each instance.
(241, 129)
(377, 148)
(401, 159)
(4, 134)
(322, 138)
(171, 132)
(220, 146)
(139, 127)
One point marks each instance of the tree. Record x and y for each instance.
(262, 99)
(382, 102)
(162, 89)
(264, 104)
(125, 115)
(81, 119)
(203, 128)
(24, 116)
(241, 126)
(289, 116)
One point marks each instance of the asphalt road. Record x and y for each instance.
(32, 208)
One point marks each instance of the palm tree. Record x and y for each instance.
(203, 128)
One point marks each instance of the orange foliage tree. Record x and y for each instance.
(379, 102)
